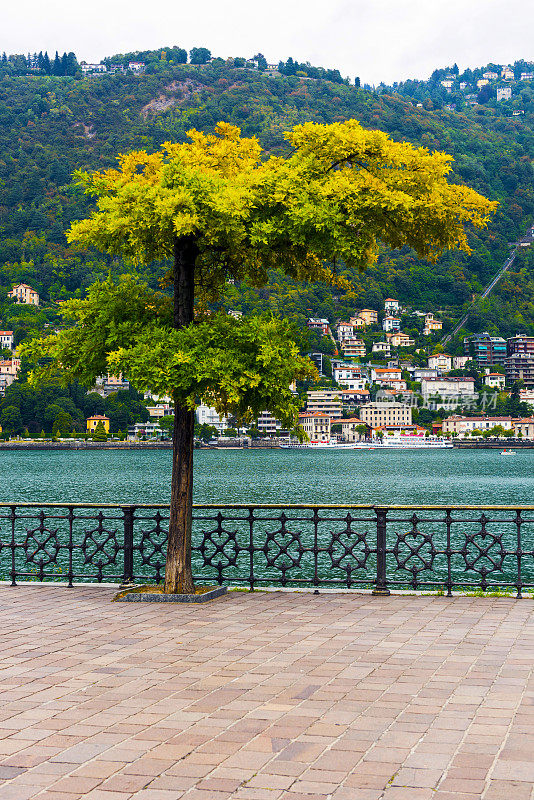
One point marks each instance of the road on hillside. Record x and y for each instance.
(507, 264)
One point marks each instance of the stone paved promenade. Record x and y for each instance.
(265, 696)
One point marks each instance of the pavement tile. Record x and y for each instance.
(265, 696)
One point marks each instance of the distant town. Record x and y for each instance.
(366, 390)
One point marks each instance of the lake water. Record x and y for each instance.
(274, 476)
(284, 543)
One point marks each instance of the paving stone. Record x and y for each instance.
(265, 696)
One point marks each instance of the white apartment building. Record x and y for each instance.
(208, 416)
(441, 362)
(460, 388)
(504, 93)
(391, 324)
(391, 306)
(6, 340)
(494, 380)
(345, 331)
(352, 378)
(324, 401)
(459, 362)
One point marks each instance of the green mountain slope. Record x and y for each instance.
(51, 125)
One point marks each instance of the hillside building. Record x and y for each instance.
(24, 294)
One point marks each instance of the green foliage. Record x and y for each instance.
(99, 433)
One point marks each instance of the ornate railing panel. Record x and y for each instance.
(440, 548)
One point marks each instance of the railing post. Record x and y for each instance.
(127, 575)
(381, 588)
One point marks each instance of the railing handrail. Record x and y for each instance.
(359, 506)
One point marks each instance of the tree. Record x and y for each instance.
(199, 55)
(11, 420)
(99, 433)
(217, 209)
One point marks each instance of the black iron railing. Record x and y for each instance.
(438, 548)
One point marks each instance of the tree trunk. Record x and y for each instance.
(178, 573)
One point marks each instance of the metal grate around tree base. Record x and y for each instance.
(438, 548)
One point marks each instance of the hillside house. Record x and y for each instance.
(495, 380)
(490, 76)
(353, 348)
(440, 362)
(381, 347)
(399, 339)
(24, 294)
(6, 340)
(507, 74)
(368, 315)
(391, 306)
(391, 324)
(504, 93)
(319, 324)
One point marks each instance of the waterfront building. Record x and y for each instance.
(8, 373)
(268, 424)
(463, 426)
(381, 415)
(92, 423)
(316, 425)
(459, 388)
(486, 350)
(24, 294)
(208, 416)
(349, 432)
(440, 362)
(144, 429)
(324, 401)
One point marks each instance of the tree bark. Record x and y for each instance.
(178, 572)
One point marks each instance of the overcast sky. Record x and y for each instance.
(378, 40)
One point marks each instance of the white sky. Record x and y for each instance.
(379, 40)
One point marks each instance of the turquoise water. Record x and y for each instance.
(221, 545)
(303, 476)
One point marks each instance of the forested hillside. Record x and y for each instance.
(51, 125)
